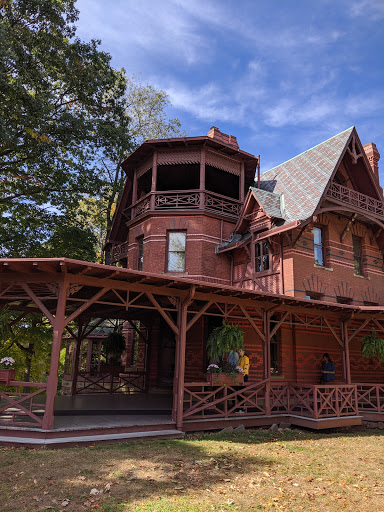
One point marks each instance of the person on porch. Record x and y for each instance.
(244, 364)
(328, 369)
(233, 358)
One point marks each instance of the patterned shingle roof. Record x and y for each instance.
(269, 201)
(303, 179)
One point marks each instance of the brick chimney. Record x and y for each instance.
(373, 157)
(216, 134)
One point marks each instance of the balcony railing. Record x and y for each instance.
(119, 251)
(355, 199)
(187, 200)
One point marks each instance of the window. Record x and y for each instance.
(313, 295)
(344, 300)
(140, 252)
(356, 241)
(262, 254)
(176, 251)
(318, 245)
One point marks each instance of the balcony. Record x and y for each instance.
(119, 252)
(187, 200)
(356, 199)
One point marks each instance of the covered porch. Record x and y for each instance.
(75, 297)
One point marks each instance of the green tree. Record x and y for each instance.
(62, 109)
(147, 118)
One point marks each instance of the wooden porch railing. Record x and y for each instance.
(119, 251)
(15, 405)
(263, 399)
(370, 397)
(201, 400)
(356, 199)
(187, 200)
(110, 383)
(315, 401)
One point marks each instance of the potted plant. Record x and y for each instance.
(7, 373)
(113, 348)
(372, 347)
(220, 342)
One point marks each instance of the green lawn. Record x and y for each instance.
(249, 471)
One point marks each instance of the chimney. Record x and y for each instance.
(229, 140)
(373, 157)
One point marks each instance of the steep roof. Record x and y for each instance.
(304, 178)
(269, 201)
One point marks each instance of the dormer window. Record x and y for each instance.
(262, 257)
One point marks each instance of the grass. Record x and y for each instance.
(253, 470)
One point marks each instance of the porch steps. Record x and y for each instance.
(107, 437)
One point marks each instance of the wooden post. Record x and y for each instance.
(267, 345)
(58, 328)
(181, 342)
(267, 360)
(76, 360)
(89, 355)
(134, 187)
(241, 182)
(154, 180)
(347, 365)
(202, 178)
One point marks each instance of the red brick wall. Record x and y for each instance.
(204, 233)
(338, 257)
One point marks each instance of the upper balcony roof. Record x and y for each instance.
(146, 149)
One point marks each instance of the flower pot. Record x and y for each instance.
(222, 379)
(6, 376)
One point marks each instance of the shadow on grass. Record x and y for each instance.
(151, 471)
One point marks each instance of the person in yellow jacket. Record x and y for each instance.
(244, 364)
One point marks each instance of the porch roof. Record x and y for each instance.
(41, 274)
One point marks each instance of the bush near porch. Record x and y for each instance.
(255, 470)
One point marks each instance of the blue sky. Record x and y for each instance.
(281, 75)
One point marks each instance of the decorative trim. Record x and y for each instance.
(221, 162)
(183, 156)
(143, 168)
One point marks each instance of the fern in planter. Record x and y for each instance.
(372, 347)
(223, 339)
(114, 346)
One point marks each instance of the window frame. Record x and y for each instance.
(261, 244)
(140, 252)
(357, 258)
(167, 252)
(322, 230)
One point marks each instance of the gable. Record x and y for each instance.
(304, 179)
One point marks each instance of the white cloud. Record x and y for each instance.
(369, 9)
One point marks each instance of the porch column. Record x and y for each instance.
(202, 178)
(345, 338)
(267, 360)
(181, 343)
(154, 180)
(134, 187)
(267, 345)
(75, 370)
(241, 182)
(58, 328)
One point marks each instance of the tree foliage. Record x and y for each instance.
(62, 107)
(223, 339)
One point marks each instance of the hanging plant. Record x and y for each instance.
(114, 346)
(223, 339)
(372, 347)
